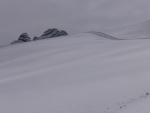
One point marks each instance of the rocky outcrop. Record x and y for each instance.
(51, 33)
(24, 37)
(36, 38)
(63, 33)
(16, 41)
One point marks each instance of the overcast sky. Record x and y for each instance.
(74, 16)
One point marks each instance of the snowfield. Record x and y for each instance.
(84, 73)
(137, 31)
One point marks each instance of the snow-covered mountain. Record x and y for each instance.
(84, 73)
(138, 31)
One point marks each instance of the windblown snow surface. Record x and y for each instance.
(137, 31)
(84, 73)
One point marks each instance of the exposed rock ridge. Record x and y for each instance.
(50, 33)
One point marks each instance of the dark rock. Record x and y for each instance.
(51, 33)
(36, 38)
(56, 33)
(24, 37)
(17, 41)
(63, 33)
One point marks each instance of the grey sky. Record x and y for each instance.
(74, 16)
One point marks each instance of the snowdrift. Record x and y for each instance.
(84, 73)
(137, 31)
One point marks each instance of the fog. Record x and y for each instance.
(74, 16)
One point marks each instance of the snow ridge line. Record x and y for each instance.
(104, 35)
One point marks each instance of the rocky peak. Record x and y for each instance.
(50, 33)
(63, 33)
(24, 37)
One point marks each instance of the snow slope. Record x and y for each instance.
(137, 31)
(83, 73)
